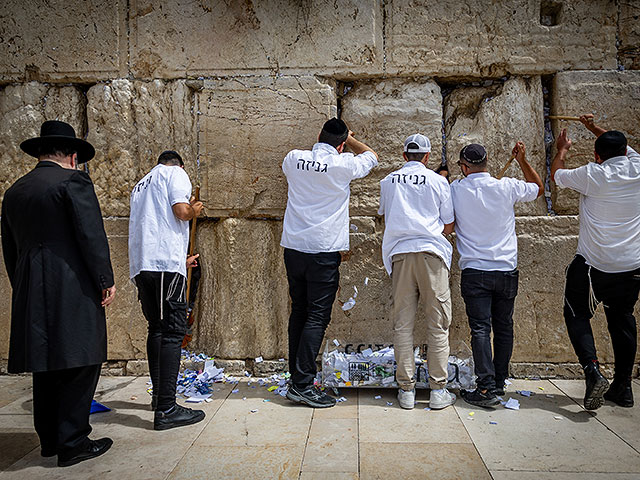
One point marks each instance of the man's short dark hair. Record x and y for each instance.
(55, 149)
(414, 157)
(334, 132)
(611, 144)
(170, 158)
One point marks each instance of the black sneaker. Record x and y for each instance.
(94, 449)
(178, 416)
(596, 386)
(620, 393)
(311, 395)
(499, 392)
(479, 399)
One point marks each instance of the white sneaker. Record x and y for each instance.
(441, 398)
(407, 399)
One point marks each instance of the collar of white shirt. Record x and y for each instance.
(325, 148)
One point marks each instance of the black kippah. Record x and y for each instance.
(336, 127)
(473, 153)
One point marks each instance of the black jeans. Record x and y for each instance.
(619, 294)
(489, 297)
(313, 284)
(162, 296)
(61, 406)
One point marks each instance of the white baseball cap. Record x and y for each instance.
(417, 143)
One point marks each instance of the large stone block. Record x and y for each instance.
(490, 39)
(629, 34)
(184, 38)
(23, 108)
(243, 305)
(614, 99)
(63, 40)
(247, 127)
(496, 116)
(383, 114)
(130, 124)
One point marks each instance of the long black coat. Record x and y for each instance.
(57, 257)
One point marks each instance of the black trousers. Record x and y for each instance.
(313, 284)
(489, 297)
(619, 293)
(61, 406)
(162, 296)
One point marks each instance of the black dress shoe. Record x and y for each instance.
(48, 452)
(178, 416)
(94, 449)
(620, 393)
(596, 385)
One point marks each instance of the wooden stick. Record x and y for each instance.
(564, 117)
(192, 241)
(504, 169)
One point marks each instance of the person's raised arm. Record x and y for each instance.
(357, 146)
(587, 121)
(187, 211)
(563, 144)
(530, 175)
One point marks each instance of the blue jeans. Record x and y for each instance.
(489, 297)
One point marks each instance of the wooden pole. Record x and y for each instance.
(192, 242)
(564, 117)
(504, 169)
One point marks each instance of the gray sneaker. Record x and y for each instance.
(441, 398)
(407, 399)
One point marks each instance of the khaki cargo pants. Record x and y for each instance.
(415, 276)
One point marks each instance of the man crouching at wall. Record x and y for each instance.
(417, 208)
(315, 231)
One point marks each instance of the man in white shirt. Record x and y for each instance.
(161, 207)
(606, 267)
(488, 248)
(417, 209)
(315, 231)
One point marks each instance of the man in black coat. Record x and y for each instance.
(57, 258)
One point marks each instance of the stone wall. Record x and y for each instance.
(233, 86)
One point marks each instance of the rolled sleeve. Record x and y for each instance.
(575, 179)
(179, 187)
(522, 191)
(446, 207)
(362, 164)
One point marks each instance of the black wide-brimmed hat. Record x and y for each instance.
(56, 133)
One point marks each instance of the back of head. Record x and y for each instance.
(334, 132)
(170, 158)
(416, 146)
(53, 148)
(475, 156)
(611, 144)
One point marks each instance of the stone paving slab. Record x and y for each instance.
(362, 437)
(547, 434)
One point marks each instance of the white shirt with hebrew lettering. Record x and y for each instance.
(158, 240)
(609, 238)
(416, 204)
(317, 215)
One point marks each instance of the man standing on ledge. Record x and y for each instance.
(161, 207)
(488, 247)
(315, 231)
(57, 258)
(606, 267)
(417, 209)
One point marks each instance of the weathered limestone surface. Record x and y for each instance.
(126, 326)
(614, 99)
(243, 305)
(247, 127)
(629, 34)
(130, 124)
(185, 38)
(383, 114)
(490, 39)
(497, 116)
(23, 108)
(63, 40)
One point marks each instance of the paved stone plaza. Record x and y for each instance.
(550, 437)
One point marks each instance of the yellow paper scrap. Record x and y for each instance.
(472, 414)
(338, 374)
(347, 384)
(272, 388)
